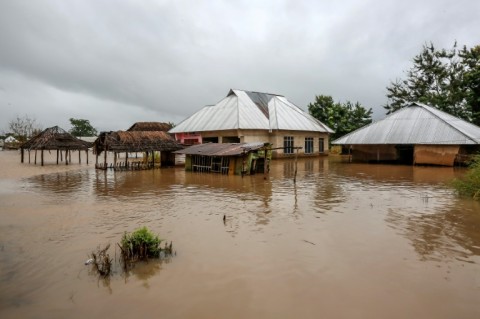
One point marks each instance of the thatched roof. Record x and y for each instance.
(150, 126)
(135, 141)
(55, 138)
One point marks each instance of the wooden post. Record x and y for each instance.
(295, 174)
(28, 156)
(105, 157)
(264, 163)
(42, 157)
(61, 156)
(87, 155)
(35, 157)
(66, 157)
(57, 156)
(114, 159)
(69, 152)
(21, 155)
(79, 157)
(126, 160)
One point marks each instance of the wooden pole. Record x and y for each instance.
(57, 156)
(28, 156)
(265, 163)
(79, 157)
(42, 157)
(35, 157)
(105, 157)
(295, 174)
(126, 159)
(61, 156)
(66, 157)
(69, 156)
(87, 155)
(21, 155)
(114, 159)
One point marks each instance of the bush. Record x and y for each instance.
(469, 185)
(142, 244)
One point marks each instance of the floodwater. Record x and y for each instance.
(345, 241)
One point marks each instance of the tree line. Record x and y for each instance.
(448, 79)
(25, 127)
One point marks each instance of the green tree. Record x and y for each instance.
(446, 79)
(81, 127)
(343, 118)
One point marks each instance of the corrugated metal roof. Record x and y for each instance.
(220, 149)
(251, 110)
(415, 124)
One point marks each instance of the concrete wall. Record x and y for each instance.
(276, 139)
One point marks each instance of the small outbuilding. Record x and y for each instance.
(148, 142)
(228, 158)
(415, 134)
(57, 139)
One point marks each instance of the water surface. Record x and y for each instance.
(344, 241)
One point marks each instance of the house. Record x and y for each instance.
(227, 158)
(250, 117)
(415, 134)
(57, 139)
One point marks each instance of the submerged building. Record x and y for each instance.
(227, 158)
(415, 134)
(251, 117)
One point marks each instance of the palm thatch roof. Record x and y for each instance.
(150, 126)
(55, 138)
(135, 141)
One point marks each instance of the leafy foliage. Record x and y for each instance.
(141, 244)
(446, 79)
(343, 118)
(81, 127)
(469, 185)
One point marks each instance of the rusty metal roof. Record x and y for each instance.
(221, 149)
(415, 124)
(251, 110)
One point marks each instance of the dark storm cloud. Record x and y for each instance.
(116, 62)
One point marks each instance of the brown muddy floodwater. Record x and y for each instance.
(347, 241)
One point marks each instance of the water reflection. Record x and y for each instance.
(448, 232)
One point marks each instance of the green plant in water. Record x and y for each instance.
(142, 244)
(469, 185)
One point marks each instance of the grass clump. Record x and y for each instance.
(469, 185)
(142, 244)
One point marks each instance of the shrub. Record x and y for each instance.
(469, 185)
(142, 244)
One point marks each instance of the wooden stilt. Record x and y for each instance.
(42, 157)
(79, 157)
(35, 157)
(66, 157)
(21, 155)
(69, 152)
(87, 155)
(61, 156)
(105, 158)
(126, 160)
(295, 174)
(28, 156)
(57, 157)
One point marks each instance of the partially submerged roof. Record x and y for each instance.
(415, 124)
(55, 138)
(221, 149)
(150, 126)
(251, 110)
(136, 141)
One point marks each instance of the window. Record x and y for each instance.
(288, 144)
(321, 148)
(308, 145)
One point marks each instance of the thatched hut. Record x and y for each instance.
(147, 142)
(150, 126)
(55, 138)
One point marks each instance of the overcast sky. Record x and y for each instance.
(119, 62)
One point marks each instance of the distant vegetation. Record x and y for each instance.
(82, 127)
(24, 127)
(469, 185)
(446, 79)
(343, 118)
